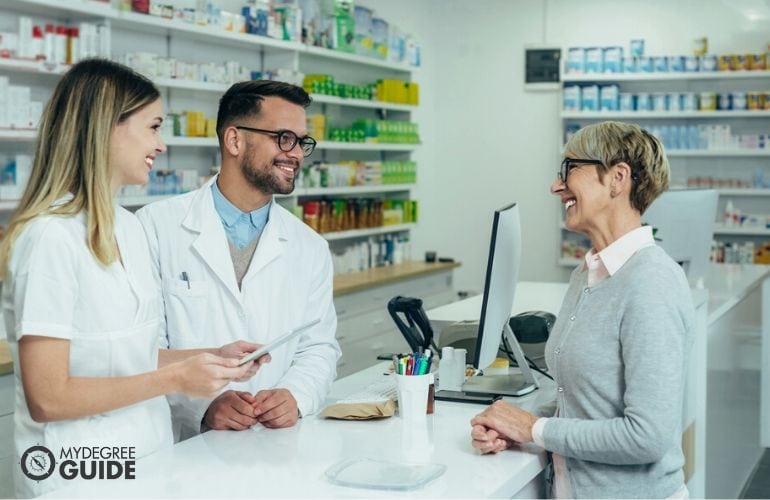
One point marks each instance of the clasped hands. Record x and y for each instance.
(239, 410)
(500, 426)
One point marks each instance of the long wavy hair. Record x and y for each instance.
(72, 152)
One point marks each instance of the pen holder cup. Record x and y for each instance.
(413, 395)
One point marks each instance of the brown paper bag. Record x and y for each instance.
(360, 411)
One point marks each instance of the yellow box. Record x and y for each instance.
(412, 93)
(316, 126)
(211, 127)
(196, 124)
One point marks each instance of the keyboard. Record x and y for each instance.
(382, 389)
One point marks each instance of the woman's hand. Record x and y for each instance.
(488, 440)
(203, 375)
(239, 349)
(511, 423)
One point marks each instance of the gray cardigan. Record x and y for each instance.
(618, 353)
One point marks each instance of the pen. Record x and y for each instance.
(186, 279)
(395, 364)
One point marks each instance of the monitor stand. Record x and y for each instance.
(512, 384)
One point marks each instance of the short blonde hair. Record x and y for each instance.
(616, 142)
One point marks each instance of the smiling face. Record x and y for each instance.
(263, 164)
(585, 198)
(134, 144)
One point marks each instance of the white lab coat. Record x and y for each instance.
(112, 318)
(288, 282)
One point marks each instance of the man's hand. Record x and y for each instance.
(275, 408)
(232, 410)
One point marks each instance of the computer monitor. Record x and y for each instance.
(683, 222)
(499, 287)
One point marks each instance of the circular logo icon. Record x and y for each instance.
(37, 463)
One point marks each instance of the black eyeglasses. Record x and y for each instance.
(286, 139)
(568, 164)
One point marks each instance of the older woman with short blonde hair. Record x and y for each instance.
(618, 350)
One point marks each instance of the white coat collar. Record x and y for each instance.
(211, 243)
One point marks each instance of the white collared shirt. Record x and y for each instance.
(600, 266)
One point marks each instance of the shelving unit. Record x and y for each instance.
(189, 42)
(654, 115)
(664, 77)
(7, 134)
(728, 163)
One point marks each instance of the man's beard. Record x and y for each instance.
(265, 181)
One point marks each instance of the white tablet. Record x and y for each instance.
(278, 342)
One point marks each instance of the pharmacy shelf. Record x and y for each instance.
(29, 66)
(666, 77)
(205, 142)
(741, 231)
(85, 9)
(173, 83)
(569, 262)
(154, 24)
(139, 201)
(355, 190)
(743, 192)
(327, 145)
(8, 205)
(361, 103)
(7, 134)
(718, 153)
(362, 233)
(353, 58)
(365, 146)
(93, 9)
(645, 115)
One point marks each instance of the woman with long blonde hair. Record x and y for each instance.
(83, 313)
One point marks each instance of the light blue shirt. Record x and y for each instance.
(241, 227)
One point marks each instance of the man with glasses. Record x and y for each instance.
(234, 264)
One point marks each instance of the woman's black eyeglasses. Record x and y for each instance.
(286, 139)
(568, 164)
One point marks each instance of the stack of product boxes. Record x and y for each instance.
(611, 60)
(15, 175)
(375, 251)
(333, 24)
(17, 109)
(55, 44)
(357, 173)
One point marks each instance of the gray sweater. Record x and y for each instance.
(618, 353)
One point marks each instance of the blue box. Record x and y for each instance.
(637, 47)
(613, 59)
(572, 99)
(594, 60)
(660, 64)
(676, 64)
(576, 60)
(608, 97)
(589, 99)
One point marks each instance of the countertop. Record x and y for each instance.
(377, 276)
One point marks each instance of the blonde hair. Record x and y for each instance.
(616, 142)
(72, 152)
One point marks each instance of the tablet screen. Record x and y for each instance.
(278, 341)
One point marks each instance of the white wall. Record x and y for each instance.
(488, 142)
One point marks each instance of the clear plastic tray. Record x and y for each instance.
(382, 475)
